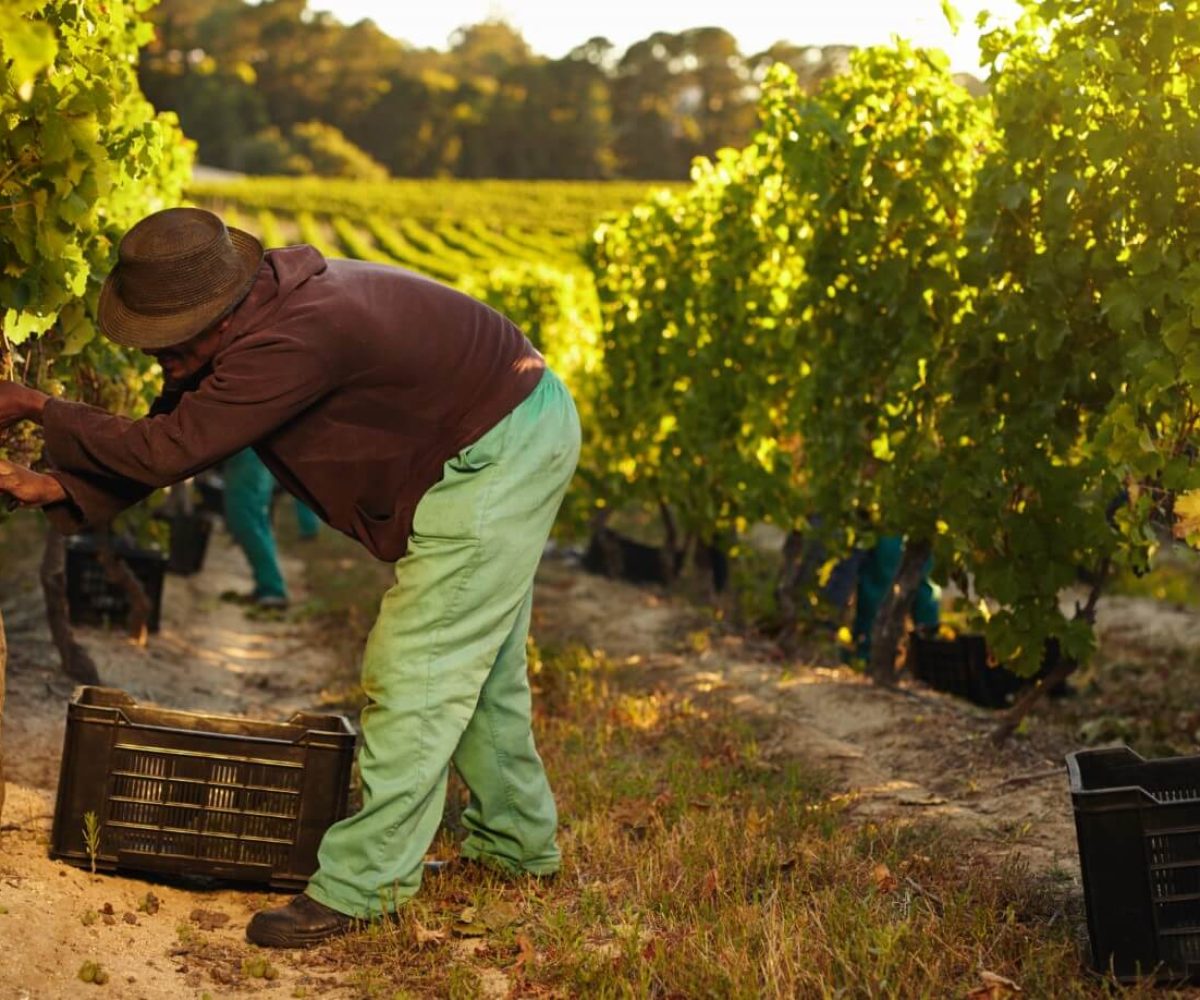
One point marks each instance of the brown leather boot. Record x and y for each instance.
(301, 924)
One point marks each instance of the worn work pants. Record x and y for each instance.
(875, 576)
(248, 488)
(445, 671)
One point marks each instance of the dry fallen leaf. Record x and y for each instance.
(636, 817)
(920, 798)
(994, 987)
(208, 920)
(425, 935)
(885, 881)
(469, 924)
(499, 914)
(754, 822)
(526, 954)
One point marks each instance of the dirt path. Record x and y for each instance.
(908, 754)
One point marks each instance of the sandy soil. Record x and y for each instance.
(908, 753)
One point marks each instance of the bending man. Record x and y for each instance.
(405, 414)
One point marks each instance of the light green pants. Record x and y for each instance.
(445, 671)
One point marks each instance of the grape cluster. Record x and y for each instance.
(21, 444)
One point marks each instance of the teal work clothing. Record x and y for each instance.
(875, 575)
(445, 670)
(307, 523)
(248, 489)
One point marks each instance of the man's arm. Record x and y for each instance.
(19, 402)
(105, 463)
(252, 391)
(103, 497)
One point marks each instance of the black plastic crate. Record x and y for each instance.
(93, 600)
(189, 543)
(185, 794)
(962, 666)
(1138, 825)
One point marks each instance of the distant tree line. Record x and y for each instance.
(278, 88)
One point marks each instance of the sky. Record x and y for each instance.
(554, 27)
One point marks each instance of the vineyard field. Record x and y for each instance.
(454, 231)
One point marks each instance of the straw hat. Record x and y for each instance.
(178, 271)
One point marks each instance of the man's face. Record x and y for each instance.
(180, 362)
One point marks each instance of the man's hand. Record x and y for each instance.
(19, 402)
(28, 488)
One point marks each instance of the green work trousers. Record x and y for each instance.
(445, 671)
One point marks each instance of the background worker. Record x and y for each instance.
(876, 573)
(248, 495)
(866, 575)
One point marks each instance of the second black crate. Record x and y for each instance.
(1138, 827)
(961, 666)
(94, 599)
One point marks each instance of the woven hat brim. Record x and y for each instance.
(129, 328)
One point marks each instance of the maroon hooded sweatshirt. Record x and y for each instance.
(354, 382)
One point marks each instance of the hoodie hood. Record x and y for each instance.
(280, 274)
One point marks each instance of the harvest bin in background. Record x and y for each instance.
(961, 666)
(181, 793)
(1138, 824)
(189, 542)
(92, 599)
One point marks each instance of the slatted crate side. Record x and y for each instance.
(1138, 828)
(243, 799)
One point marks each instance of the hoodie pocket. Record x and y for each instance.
(375, 531)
